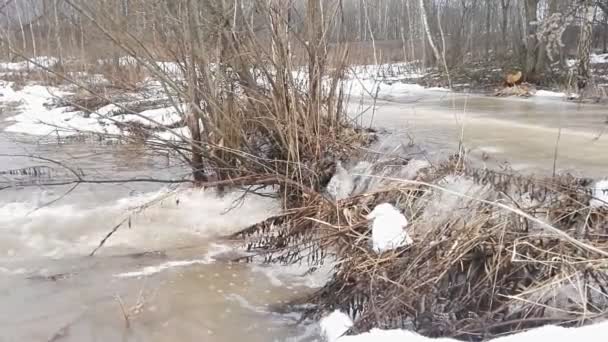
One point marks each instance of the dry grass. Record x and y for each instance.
(475, 270)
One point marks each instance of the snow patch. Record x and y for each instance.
(335, 325)
(36, 119)
(548, 93)
(385, 90)
(388, 228)
(43, 61)
(591, 333)
(598, 59)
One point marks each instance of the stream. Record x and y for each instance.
(522, 132)
(161, 276)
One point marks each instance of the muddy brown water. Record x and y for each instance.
(522, 132)
(158, 281)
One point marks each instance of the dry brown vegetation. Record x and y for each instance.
(476, 270)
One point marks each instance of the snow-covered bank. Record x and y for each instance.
(386, 81)
(35, 113)
(45, 110)
(555, 94)
(594, 58)
(592, 333)
(36, 64)
(35, 118)
(335, 325)
(387, 90)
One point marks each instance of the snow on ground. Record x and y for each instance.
(33, 115)
(336, 324)
(548, 93)
(385, 90)
(598, 58)
(592, 333)
(170, 68)
(593, 59)
(44, 61)
(385, 81)
(555, 94)
(394, 71)
(35, 118)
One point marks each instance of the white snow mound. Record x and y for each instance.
(388, 228)
(590, 333)
(335, 325)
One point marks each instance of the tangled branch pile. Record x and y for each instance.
(475, 270)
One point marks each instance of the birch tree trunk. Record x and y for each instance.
(427, 29)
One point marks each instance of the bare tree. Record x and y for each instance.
(584, 45)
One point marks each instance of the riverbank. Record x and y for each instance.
(486, 77)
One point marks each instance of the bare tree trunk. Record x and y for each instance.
(427, 29)
(605, 34)
(505, 5)
(371, 32)
(194, 110)
(22, 33)
(542, 56)
(488, 29)
(531, 73)
(58, 34)
(411, 29)
(362, 21)
(584, 45)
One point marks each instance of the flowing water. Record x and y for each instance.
(530, 134)
(159, 278)
(156, 279)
